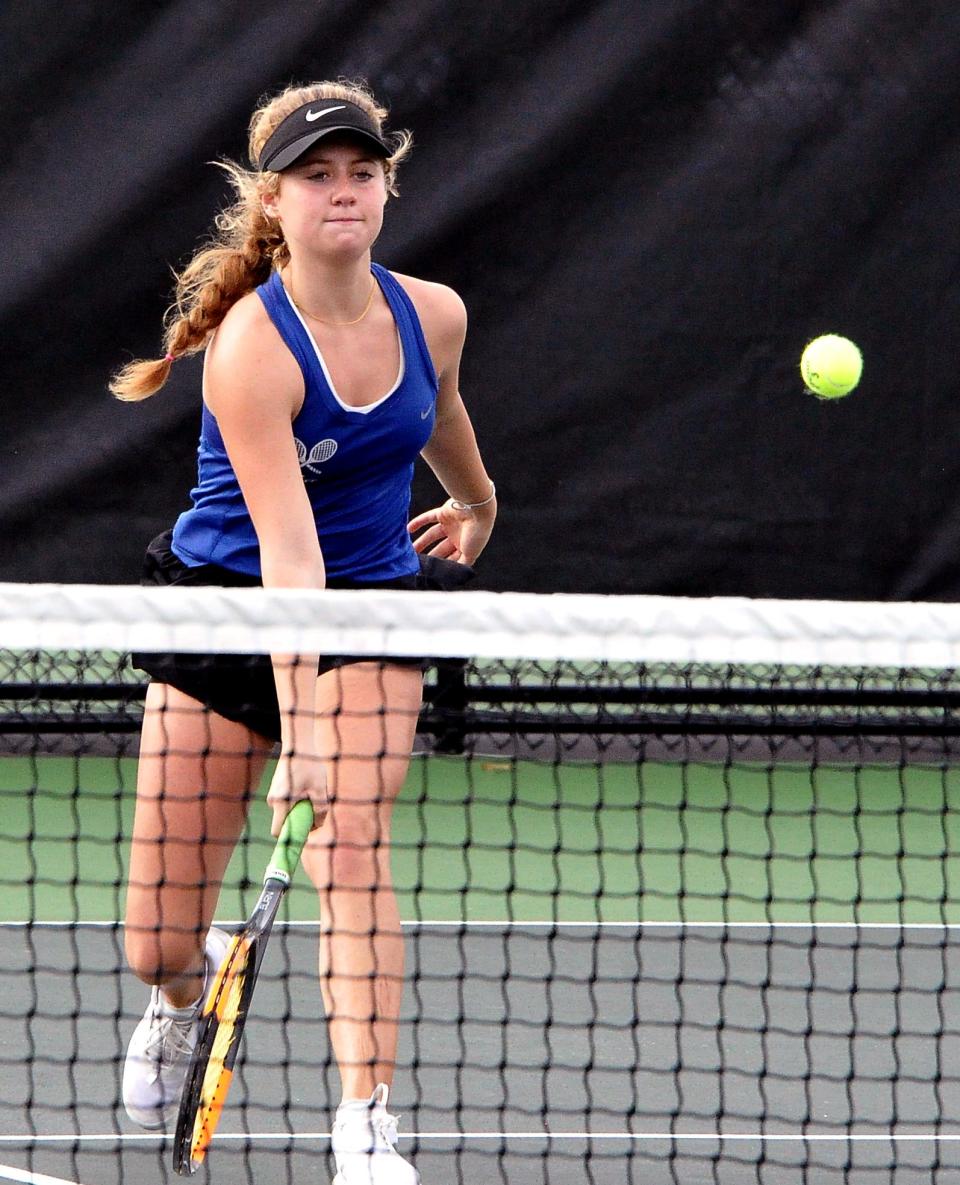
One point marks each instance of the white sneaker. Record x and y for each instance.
(364, 1142)
(158, 1055)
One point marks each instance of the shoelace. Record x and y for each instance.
(385, 1126)
(168, 1041)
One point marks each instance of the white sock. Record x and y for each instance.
(188, 1013)
(354, 1105)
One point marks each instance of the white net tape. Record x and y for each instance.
(480, 625)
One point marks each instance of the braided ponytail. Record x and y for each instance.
(246, 245)
(237, 261)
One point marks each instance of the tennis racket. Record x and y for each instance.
(228, 1002)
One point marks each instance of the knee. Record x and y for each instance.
(157, 957)
(359, 849)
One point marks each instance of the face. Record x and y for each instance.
(331, 200)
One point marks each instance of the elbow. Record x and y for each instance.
(292, 570)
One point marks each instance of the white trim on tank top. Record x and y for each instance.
(366, 407)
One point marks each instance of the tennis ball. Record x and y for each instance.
(831, 366)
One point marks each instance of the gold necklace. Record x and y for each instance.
(324, 321)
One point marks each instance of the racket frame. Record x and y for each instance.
(195, 1129)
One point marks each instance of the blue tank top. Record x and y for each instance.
(357, 464)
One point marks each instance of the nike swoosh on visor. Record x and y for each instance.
(312, 115)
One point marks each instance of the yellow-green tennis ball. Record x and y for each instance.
(831, 366)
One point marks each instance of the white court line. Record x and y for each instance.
(270, 1137)
(8, 1173)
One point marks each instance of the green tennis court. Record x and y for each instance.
(497, 840)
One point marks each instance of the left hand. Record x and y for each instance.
(298, 776)
(453, 534)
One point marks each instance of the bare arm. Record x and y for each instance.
(254, 389)
(452, 451)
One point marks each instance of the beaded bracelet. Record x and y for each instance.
(458, 505)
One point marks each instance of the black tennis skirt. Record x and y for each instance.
(241, 687)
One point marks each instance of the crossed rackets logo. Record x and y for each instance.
(310, 462)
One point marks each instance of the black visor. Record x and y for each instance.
(311, 122)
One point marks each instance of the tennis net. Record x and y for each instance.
(678, 881)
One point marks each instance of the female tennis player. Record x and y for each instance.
(325, 375)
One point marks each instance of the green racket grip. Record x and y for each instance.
(293, 835)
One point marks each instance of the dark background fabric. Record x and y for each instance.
(649, 206)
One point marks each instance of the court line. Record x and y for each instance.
(8, 1173)
(270, 1137)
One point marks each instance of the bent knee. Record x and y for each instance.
(156, 958)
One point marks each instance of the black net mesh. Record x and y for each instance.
(685, 922)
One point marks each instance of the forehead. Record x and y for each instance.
(339, 148)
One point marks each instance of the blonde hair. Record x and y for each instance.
(247, 243)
